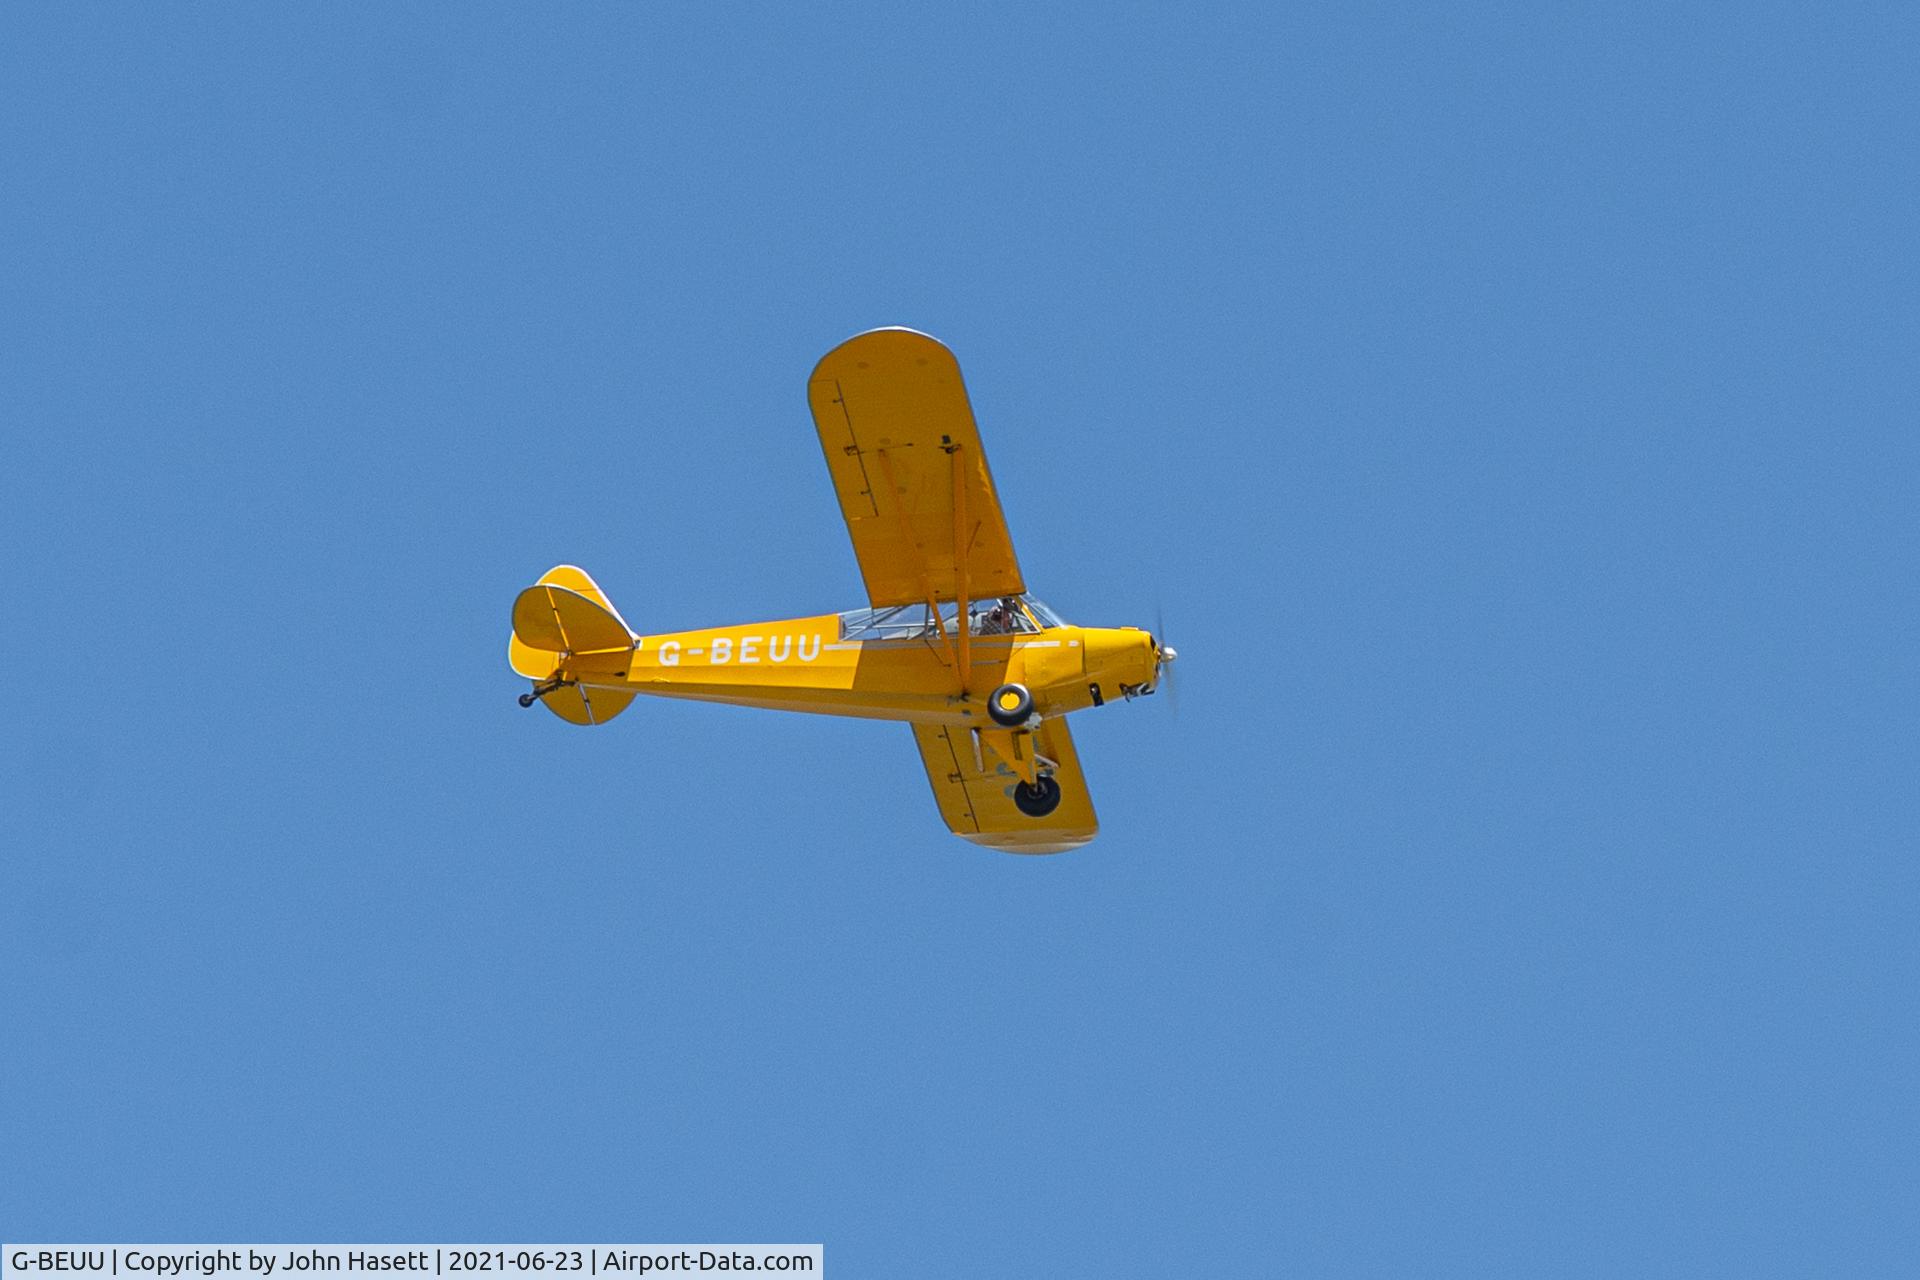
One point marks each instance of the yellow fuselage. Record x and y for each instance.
(803, 664)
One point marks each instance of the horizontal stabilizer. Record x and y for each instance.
(577, 704)
(560, 620)
(574, 578)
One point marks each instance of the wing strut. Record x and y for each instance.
(960, 620)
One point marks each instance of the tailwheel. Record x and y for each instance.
(1037, 799)
(545, 687)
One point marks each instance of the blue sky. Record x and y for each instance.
(1512, 411)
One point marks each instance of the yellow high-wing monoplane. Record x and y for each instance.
(952, 644)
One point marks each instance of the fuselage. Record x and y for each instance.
(810, 664)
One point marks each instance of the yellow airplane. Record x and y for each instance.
(952, 644)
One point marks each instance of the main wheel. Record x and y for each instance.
(1010, 705)
(1038, 800)
(527, 699)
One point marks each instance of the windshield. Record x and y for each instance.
(1004, 616)
(1047, 617)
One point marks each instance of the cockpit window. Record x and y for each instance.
(1002, 617)
(1007, 615)
(1045, 616)
(898, 622)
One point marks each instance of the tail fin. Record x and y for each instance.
(563, 615)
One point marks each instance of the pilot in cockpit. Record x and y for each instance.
(998, 620)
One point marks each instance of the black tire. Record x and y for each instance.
(1013, 715)
(527, 699)
(1038, 800)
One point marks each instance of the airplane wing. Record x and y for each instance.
(975, 793)
(906, 462)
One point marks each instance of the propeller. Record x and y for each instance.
(1163, 656)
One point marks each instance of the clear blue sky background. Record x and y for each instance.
(1513, 411)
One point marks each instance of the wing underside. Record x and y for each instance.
(975, 791)
(906, 462)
